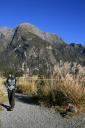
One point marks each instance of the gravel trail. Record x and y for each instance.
(28, 114)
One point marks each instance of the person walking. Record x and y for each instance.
(11, 87)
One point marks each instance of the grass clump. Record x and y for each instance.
(26, 86)
(66, 85)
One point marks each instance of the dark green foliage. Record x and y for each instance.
(61, 99)
(19, 89)
(40, 84)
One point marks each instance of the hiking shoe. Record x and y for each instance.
(11, 109)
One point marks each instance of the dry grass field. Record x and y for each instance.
(63, 87)
(59, 89)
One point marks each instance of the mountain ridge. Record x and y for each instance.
(28, 48)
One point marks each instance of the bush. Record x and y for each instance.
(63, 87)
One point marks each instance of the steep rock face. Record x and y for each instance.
(5, 36)
(29, 49)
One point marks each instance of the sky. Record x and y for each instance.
(65, 18)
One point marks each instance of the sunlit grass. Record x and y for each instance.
(26, 86)
(60, 89)
(2, 89)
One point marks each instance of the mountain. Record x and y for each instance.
(5, 37)
(26, 48)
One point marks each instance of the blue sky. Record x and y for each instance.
(63, 17)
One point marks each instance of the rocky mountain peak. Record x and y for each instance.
(29, 28)
(27, 47)
(50, 37)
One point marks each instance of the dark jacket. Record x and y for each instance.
(11, 83)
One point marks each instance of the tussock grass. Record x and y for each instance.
(58, 90)
(63, 87)
(26, 86)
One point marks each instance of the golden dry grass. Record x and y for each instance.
(2, 89)
(26, 85)
(72, 89)
(58, 89)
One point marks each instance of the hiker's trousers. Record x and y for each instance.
(11, 97)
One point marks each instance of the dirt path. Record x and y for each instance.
(28, 114)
